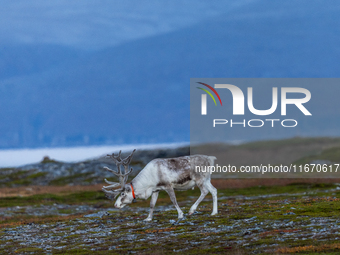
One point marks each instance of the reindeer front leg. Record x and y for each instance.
(154, 197)
(172, 195)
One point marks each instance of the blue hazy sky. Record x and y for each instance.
(118, 72)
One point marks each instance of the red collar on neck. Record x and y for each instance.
(133, 192)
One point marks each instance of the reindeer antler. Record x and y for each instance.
(123, 177)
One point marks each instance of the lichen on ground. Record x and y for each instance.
(301, 218)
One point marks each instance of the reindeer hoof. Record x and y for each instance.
(191, 213)
(213, 213)
(179, 220)
(147, 219)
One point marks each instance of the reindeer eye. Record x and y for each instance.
(122, 194)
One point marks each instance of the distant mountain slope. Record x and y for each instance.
(21, 60)
(93, 24)
(138, 91)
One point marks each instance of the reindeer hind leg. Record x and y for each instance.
(204, 192)
(213, 192)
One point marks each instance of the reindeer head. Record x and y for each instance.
(125, 190)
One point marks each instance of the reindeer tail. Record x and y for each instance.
(211, 160)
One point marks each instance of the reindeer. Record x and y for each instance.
(167, 174)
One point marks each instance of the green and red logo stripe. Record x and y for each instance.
(209, 93)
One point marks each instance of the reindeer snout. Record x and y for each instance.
(118, 205)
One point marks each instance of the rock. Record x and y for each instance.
(98, 214)
(246, 232)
